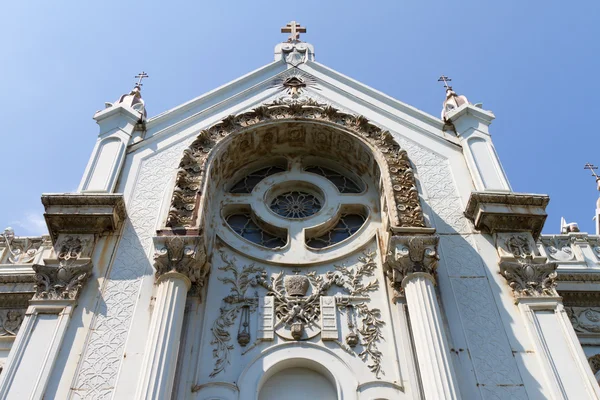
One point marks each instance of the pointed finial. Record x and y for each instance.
(139, 77)
(294, 29)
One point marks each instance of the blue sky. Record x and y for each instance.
(533, 63)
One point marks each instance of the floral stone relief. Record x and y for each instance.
(298, 307)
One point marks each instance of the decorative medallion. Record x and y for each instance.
(295, 205)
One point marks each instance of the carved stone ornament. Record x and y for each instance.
(297, 311)
(10, 321)
(558, 247)
(62, 282)
(585, 320)
(20, 250)
(594, 363)
(410, 254)
(183, 254)
(507, 212)
(519, 246)
(529, 279)
(399, 181)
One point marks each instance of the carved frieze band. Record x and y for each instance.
(409, 255)
(183, 254)
(530, 279)
(406, 212)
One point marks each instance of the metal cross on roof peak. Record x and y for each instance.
(141, 76)
(445, 79)
(591, 167)
(294, 29)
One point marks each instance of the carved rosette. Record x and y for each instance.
(530, 280)
(182, 254)
(409, 255)
(62, 282)
(405, 212)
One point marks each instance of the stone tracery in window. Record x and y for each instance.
(304, 206)
(343, 183)
(247, 183)
(244, 225)
(347, 225)
(295, 205)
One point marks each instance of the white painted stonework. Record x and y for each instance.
(295, 234)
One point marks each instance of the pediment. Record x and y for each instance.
(278, 81)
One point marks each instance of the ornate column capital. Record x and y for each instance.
(528, 279)
(409, 255)
(63, 277)
(60, 283)
(185, 255)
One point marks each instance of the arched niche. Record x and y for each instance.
(307, 356)
(297, 383)
(219, 151)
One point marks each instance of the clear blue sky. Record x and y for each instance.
(533, 63)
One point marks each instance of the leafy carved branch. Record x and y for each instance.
(239, 282)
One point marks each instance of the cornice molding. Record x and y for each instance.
(493, 212)
(77, 213)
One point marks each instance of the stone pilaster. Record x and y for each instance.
(514, 221)
(75, 222)
(180, 262)
(411, 268)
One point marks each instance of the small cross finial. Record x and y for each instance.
(294, 29)
(592, 167)
(139, 77)
(296, 270)
(445, 79)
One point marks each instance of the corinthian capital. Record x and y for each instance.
(62, 282)
(530, 280)
(411, 254)
(183, 254)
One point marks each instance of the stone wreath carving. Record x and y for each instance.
(297, 312)
(405, 212)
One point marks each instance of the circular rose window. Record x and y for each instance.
(295, 205)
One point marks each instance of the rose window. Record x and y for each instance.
(296, 208)
(295, 205)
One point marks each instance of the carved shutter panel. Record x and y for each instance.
(329, 330)
(266, 312)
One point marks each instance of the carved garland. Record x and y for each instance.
(297, 309)
(406, 212)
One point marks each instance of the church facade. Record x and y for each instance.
(296, 234)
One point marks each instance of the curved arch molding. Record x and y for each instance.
(393, 164)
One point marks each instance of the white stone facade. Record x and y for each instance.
(297, 234)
